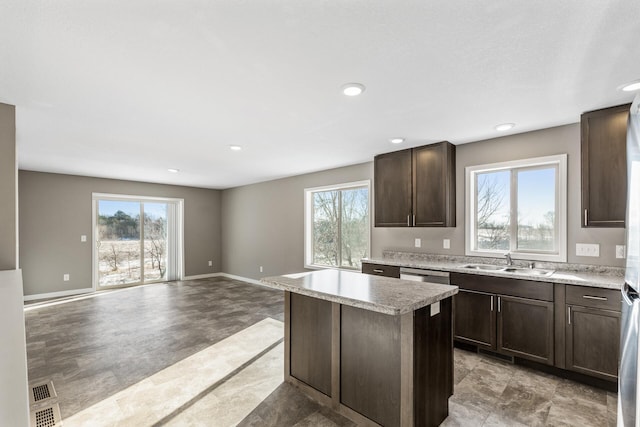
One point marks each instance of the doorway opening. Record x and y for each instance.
(138, 240)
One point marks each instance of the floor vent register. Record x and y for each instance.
(45, 412)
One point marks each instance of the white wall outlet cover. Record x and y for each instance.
(418, 243)
(65, 277)
(621, 251)
(446, 244)
(261, 269)
(210, 263)
(83, 238)
(435, 308)
(588, 249)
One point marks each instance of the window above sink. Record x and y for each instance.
(518, 207)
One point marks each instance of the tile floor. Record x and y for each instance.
(209, 353)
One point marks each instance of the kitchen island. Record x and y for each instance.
(378, 350)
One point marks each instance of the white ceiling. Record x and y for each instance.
(128, 89)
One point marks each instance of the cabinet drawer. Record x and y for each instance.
(504, 286)
(608, 299)
(381, 270)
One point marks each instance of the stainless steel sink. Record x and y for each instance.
(521, 271)
(489, 267)
(529, 271)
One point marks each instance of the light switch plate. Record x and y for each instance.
(621, 251)
(83, 238)
(446, 243)
(65, 277)
(418, 243)
(588, 249)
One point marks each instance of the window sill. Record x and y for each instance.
(520, 256)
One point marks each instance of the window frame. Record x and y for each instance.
(560, 161)
(308, 221)
(175, 234)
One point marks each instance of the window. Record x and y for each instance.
(518, 207)
(337, 225)
(137, 240)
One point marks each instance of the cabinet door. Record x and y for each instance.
(434, 200)
(604, 167)
(525, 328)
(392, 177)
(593, 341)
(475, 318)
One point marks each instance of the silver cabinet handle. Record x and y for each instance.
(414, 220)
(408, 220)
(594, 297)
(585, 218)
(499, 305)
(377, 270)
(569, 314)
(491, 302)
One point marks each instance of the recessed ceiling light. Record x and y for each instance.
(504, 126)
(353, 89)
(235, 147)
(630, 87)
(396, 140)
(172, 170)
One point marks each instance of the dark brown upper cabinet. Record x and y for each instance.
(604, 166)
(416, 187)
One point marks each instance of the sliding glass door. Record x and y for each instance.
(137, 240)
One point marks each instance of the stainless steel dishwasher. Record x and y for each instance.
(428, 276)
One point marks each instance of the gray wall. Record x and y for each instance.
(8, 251)
(264, 225)
(55, 210)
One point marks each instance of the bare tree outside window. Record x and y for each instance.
(535, 222)
(340, 227)
(492, 217)
(122, 255)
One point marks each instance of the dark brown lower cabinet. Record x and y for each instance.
(525, 328)
(475, 318)
(593, 341)
(514, 326)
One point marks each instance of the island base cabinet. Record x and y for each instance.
(381, 360)
(311, 339)
(373, 368)
(370, 364)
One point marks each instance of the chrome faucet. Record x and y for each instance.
(509, 260)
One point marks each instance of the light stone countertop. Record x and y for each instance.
(576, 274)
(374, 293)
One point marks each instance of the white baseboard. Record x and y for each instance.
(202, 276)
(243, 279)
(88, 290)
(58, 294)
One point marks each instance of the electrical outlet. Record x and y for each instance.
(210, 263)
(65, 277)
(446, 244)
(261, 269)
(83, 238)
(621, 251)
(418, 243)
(588, 249)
